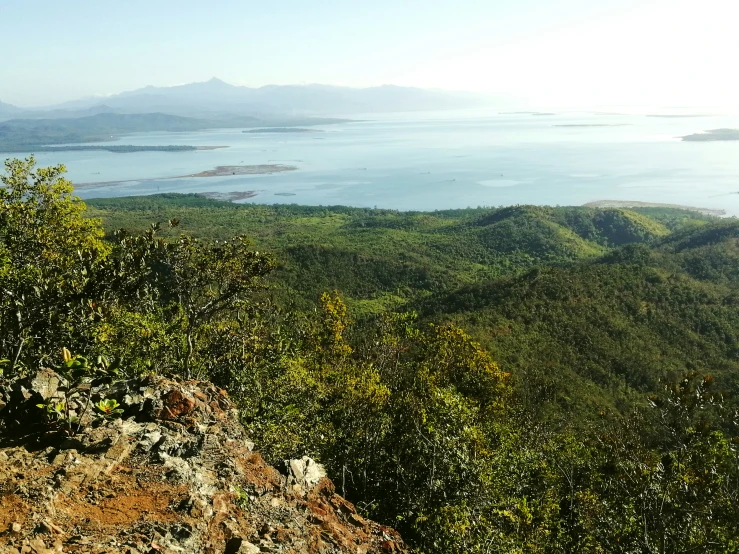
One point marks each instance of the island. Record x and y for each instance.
(591, 125)
(229, 196)
(676, 115)
(219, 171)
(526, 113)
(713, 135)
(227, 170)
(283, 130)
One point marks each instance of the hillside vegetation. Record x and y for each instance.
(510, 380)
(380, 256)
(586, 304)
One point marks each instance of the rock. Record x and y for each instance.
(175, 474)
(45, 384)
(18, 400)
(39, 547)
(51, 528)
(305, 472)
(176, 404)
(248, 548)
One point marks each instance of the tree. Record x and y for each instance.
(48, 250)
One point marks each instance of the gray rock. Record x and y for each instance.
(248, 548)
(45, 383)
(305, 472)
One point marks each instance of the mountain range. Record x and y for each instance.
(218, 98)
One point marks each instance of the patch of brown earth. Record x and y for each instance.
(176, 474)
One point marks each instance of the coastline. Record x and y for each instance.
(637, 204)
(113, 148)
(218, 171)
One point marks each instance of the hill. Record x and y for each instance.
(22, 135)
(380, 258)
(596, 332)
(590, 307)
(601, 430)
(8, 111)
(217, 96)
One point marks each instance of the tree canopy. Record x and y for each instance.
(514, 380)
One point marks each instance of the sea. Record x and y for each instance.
(440, 160)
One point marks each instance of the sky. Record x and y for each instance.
(538, 52)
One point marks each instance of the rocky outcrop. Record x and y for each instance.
(175, 473)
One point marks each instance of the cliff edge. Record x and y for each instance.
(174, 472)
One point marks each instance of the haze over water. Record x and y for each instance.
(441, 160)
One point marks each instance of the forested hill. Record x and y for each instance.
(382, 257)
(587, 308)
(496, 381)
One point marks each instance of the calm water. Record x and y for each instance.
(442, 160)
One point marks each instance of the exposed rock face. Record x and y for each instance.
(175, 474)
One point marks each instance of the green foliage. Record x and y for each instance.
(380, 259)
(600, 434)
(141, 296)
(48, 250)
(108, 408)
(67, 408)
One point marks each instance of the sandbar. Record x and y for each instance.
(219, 171)
(230, 196)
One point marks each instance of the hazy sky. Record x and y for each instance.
(547, 52)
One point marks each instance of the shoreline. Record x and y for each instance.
(637, 204)
(218, 171)
(112, 148)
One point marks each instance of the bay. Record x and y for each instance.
(442, 160)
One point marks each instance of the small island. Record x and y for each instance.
(526, 113)
(219, 171)
(232, 196)
(591, 125)
(283, 130)
(713, 135)
(228, 170)
(676, 115)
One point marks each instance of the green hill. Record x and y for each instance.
(378, 257)
(595, 412)
(579, 319)
(598, 332)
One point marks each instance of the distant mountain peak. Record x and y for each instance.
(214, 83)
(217, 96)
(8, 110)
